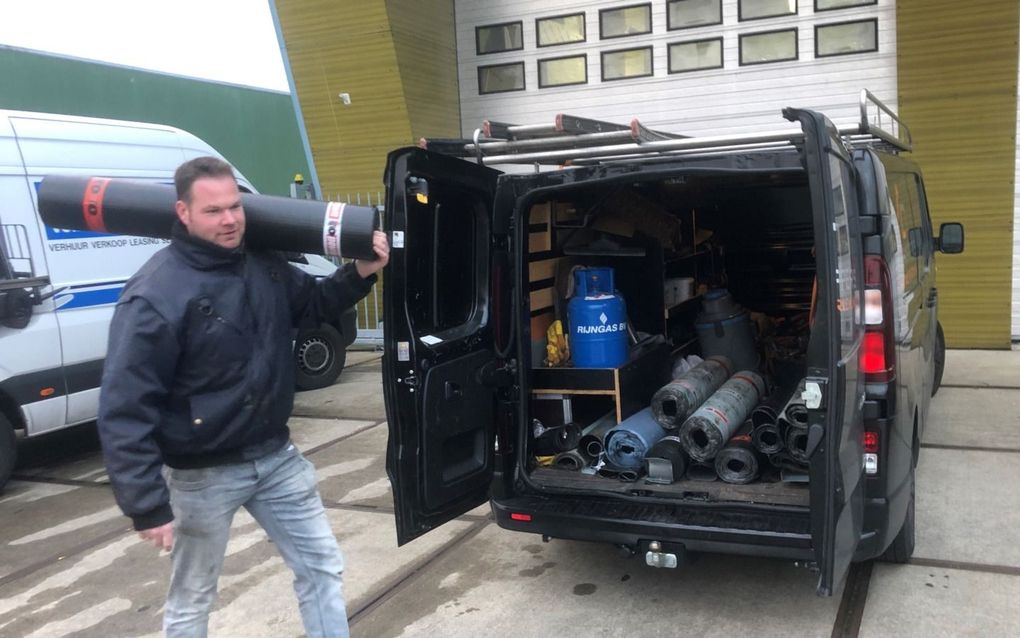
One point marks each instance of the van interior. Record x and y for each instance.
(673, 242)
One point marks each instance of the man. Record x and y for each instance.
(197, 389)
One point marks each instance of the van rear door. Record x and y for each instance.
(438, 332)
(836, 429)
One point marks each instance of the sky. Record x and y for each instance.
(221, 40)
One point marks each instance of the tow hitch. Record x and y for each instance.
(659, 555)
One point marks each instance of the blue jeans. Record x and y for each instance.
(280, 491)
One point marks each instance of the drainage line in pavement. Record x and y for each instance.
(971, 448)
(356, 507)
(392, 589)
(851, 606)
(58, 481)
(986, 568)
(323, 446)
(981, 387)
(77, 549)
(361, 363)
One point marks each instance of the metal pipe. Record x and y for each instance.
(738, 462)
(592, 436)
(628, 443)
(675, 401)
(666, 462)
(125, 207)
(715, 422)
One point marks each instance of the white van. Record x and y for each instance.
(58, 287)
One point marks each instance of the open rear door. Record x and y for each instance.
(835, 388)
(439, 352)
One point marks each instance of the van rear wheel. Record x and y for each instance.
(319, 357)
(8, 450)
(940, 359)
(902, 547)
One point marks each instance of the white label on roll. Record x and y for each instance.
(331, 225)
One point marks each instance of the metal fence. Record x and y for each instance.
(370, 328)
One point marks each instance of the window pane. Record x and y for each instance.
(627, 21)
(558, 72)
(751, 9)
(626, 64)
(768, 47)
(560, 30)
(690, 56)
(822, 5)
(694, 13)
(851, 37)
(500, 37)
(501, 77)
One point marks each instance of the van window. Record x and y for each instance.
(851, 317)
(445, 263)
(903, 193)
(927, 243)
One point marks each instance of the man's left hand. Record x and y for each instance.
(381, 246)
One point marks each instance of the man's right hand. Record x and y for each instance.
(162, 536)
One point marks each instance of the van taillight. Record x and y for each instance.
(878, 354)
(870, 452)
(520, 517)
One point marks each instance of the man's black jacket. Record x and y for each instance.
(200, 367)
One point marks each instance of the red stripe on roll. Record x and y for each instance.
(92, 204)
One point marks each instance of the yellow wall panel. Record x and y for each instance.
(398, 63)
(957, 72)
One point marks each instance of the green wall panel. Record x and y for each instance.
(255, 129)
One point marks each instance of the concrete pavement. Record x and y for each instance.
(69, 565)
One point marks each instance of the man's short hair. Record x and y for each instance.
(197, 168)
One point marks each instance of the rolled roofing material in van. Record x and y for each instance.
(628, 443)
(676, 400)
(738, 462)
(126, 207)
(794, 413)
(569, 460)
(715, 422)
(666, 462)
(592, 437)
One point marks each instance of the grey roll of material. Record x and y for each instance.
(794, 413)
(127, 207)
(591, 443)
(767, 438)
(769, 410)
(702, 471)
(666, 462)
(570, 460)
(557, 439)
(676, 400)
(627, 444)
(718, 419)
(738, 462)
(784, 461)
(796, 443)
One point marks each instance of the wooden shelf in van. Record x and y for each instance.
(631, 386)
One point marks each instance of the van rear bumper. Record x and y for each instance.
(781, 534)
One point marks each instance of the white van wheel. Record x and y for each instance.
(8, 450)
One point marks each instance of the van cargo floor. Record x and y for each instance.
(775, 493)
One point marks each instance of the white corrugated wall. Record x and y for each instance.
(728, 100)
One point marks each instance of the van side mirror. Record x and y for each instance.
(950, 239)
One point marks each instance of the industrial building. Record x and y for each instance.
(370, 77)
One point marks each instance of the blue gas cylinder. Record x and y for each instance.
(598, 320)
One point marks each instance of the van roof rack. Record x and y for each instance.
(576, 140)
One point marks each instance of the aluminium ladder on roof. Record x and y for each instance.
(573, 139)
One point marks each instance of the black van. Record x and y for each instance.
(822, 233)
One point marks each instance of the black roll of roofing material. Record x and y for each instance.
(702, 471)
(666, 462)
(737, 462)
(557, 439)
(126, 207)
(569, 460)
(767, 438)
